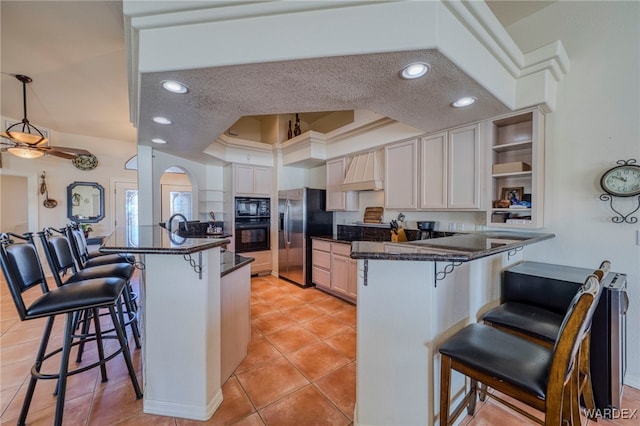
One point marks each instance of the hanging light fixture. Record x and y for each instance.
(25, 152)
(24, 132)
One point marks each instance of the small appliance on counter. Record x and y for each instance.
(425, 229)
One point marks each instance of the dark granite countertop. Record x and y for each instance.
(461, 247)
(153, 239)
(331, 239)
(230, 262)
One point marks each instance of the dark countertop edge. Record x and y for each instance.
(330, 239)
(237, 262)
(211, 243)
(444, 257)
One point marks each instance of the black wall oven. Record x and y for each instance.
(253, 224)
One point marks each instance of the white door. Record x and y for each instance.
(126, 207)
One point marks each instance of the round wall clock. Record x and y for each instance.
(622, 180)
(85, 162)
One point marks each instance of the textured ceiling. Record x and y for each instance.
(219, 96)
(77, 59)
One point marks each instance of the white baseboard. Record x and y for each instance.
(185, 411)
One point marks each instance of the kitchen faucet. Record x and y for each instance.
(167, 224)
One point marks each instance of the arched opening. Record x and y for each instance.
(177, 195)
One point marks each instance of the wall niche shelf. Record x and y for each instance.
(517, 138)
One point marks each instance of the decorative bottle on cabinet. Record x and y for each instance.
(296, 129)
(289, 133)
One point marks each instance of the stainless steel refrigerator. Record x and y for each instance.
(301, 215)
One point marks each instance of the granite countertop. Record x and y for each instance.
(230, 262)
(461, 247)
(154, 239)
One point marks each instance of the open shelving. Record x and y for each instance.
(517, 138)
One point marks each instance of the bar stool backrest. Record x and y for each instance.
(78, 243)
(59, 256)
(575, 325)
(21, 267)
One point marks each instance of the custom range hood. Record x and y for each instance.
(365, 173)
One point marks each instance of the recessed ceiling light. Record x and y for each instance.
(463, 102)
(174, 86)
(414, 70)
(161, 120)
(158, 140)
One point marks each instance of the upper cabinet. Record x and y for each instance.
(252, 180)
(517, 170)
(401, 175)
(463, 172)
(450, 169)
(338, 200)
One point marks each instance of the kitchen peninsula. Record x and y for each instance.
(411, 297)
(194, 317)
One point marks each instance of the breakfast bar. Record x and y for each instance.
(412, 296)
(181, 317)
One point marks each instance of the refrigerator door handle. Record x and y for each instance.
(287, 230)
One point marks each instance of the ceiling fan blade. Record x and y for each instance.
(76, 151)
(60, 154)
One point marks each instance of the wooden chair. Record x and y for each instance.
(543, 378)
(542, 325)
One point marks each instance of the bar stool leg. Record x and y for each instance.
(445, 391)
(64, 368)
(36, 369)
(125, 352)
(98, 330)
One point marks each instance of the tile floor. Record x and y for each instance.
(300, 370)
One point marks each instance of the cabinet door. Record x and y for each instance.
(262, 181)
(244, 179)
(464, 169)
(339, 200)
(352, 289)
(401, 175)
(433, 176)
(340, 273)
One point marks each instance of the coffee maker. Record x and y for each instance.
(425, 229)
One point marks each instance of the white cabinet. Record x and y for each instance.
(517, 164)
(450, 169)
(321, 263)
(338, 200)
(262, 263)
(235, 320)
(252, 180)
(401, 175)
(333, 270)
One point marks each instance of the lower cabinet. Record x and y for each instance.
(333, 270)
(262, 263)
(235, 320)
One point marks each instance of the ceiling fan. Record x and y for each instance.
(25, 140)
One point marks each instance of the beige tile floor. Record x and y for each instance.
(300, 370)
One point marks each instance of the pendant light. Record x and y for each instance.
(24, 132)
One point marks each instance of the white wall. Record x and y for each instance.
(111, 156)
(595, 124)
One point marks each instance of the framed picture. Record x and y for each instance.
(514, 194)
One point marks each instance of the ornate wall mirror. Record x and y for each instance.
(85, 202)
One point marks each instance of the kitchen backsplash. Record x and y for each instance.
(446, 221)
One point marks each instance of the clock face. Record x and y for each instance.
(622, 181)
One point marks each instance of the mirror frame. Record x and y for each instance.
(92, 219)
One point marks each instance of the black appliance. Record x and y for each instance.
(425, 229)
(252, 224)
(253, 208)
(302, 214)
(609, 325)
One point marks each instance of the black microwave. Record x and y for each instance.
(253, 207)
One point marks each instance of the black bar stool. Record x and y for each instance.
(61, 263)
(23, 271)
